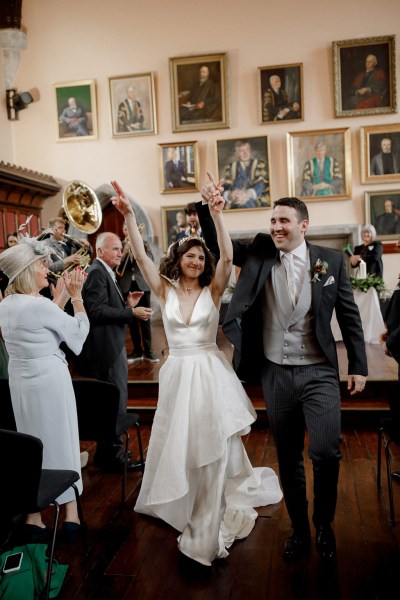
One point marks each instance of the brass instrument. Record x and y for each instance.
(82, 207)
(83, 211)
(120, 271)
(82, 252)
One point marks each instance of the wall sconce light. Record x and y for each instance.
(16, 102)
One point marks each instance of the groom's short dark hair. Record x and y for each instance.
(298, 205)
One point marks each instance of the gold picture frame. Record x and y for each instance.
(280, 93)
(76, 111)
(249, 190)
(377, 142)
(319, 164)
(179, 167)
(133, 108)
(364, 72)
(169, 221)
(382, 210)
(199, 92)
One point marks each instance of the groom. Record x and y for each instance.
(279, 324)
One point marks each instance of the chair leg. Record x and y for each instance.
(140, 447)
(81, 518)
(379, 468)
(389, 478)
(51, 547)
(125, 471)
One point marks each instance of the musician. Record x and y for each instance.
(62, 254)
(130, 279)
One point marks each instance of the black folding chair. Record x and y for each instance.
(97, 404)
(27, 488)
(7, 420)
(388, 432)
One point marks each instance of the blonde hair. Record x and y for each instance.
(25, 282)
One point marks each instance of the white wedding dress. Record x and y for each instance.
(198, 477)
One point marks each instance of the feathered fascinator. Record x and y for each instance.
(17, 258)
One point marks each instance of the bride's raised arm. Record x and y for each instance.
(224, 265)
(146, 265)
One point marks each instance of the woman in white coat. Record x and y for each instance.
(42, 395)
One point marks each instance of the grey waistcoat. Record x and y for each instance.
(288, 334)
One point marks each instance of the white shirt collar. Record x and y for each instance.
(108, 268)
(301, 252)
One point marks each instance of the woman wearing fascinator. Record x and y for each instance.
(198, 477)
(42, 395)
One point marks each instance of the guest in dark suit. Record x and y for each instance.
(104, 353)
(279, 325)
(390, 340)
(130, 279)
(370, 251)
(391, 337)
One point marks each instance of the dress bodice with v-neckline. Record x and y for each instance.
(203, 324)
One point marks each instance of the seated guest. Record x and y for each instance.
(370, 251)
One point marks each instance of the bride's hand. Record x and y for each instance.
(120, 201)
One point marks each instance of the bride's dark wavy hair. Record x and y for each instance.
(170, 264)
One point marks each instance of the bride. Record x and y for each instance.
(198, 477)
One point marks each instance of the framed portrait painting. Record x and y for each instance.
(243, 164)
(380, 153)
(132, 102)
(382, 210)
(199, 95)
(76, 110)
(173, 221)
(319, 164)
(281, 93)
(179, 167)
(364, 73)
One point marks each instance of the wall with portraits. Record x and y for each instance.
(102, 53)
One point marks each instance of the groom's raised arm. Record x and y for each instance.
(208, 228)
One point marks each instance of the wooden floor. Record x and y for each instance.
(132, 556)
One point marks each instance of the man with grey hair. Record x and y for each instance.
(104, 353)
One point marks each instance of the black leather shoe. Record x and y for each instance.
(71, 532)
(396, 476)
(297, 545)
(33, 534)
(325, 542)
(134, 465)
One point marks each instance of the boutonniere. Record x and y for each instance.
(318, 269)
